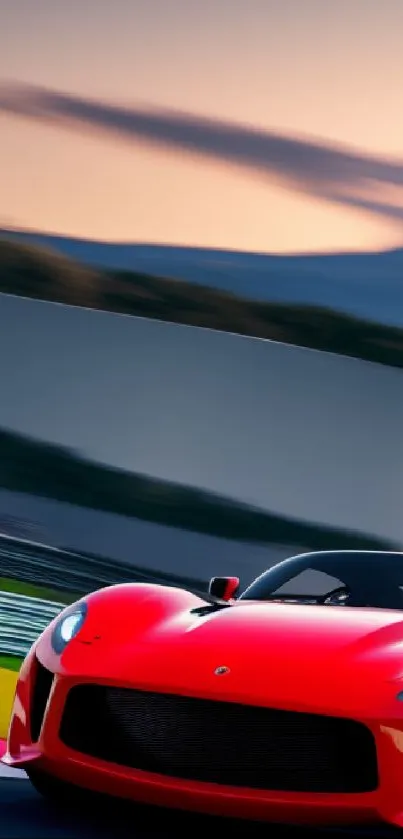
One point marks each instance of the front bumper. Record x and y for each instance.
(48, 752)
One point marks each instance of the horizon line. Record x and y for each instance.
(28, 231)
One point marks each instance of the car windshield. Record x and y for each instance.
(372, 578)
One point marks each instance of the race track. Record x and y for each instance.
(24, 815)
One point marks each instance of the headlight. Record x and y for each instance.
(67, 627)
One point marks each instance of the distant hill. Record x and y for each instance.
(50, 471)
(33, 271)
(366, 285)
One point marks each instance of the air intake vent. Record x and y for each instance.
(43, 680)
(220, 742)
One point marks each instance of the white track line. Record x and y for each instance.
(12, 774)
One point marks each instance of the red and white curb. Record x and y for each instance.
(6, 772)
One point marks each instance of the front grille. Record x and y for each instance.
(220, 742)
(43, 679)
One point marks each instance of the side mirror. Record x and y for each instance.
(224, 588)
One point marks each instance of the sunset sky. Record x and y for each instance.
(327, 70)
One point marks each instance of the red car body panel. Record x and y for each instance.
(344, 662)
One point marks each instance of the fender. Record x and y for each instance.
(114, 609)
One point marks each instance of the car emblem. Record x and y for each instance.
(220, 671)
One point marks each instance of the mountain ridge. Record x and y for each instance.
(368, 284)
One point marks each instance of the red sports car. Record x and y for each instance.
(284, 704)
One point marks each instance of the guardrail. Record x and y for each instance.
(73, 571)
(22, 619)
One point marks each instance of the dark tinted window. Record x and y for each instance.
(309, 582)
(373, 578)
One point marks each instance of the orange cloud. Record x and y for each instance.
(338, 175)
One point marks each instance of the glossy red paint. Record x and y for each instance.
(345, 662)
(3, 747)
(231, 587)
(224, 588)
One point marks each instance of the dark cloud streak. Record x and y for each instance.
(334, 174)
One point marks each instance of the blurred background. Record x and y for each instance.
(201, 300)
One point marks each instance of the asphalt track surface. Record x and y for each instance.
(25, 815)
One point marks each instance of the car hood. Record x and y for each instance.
(278, 654)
